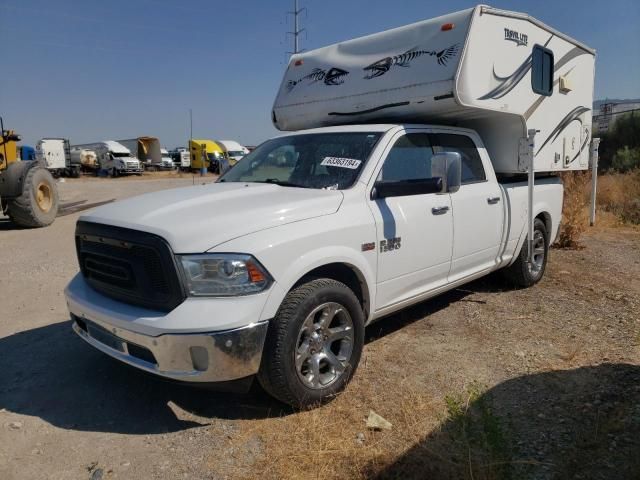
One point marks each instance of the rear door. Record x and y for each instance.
(414, 232)
(477, 208)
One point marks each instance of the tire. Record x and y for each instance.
(37, 206)
(285, 372)
(114, 172)
(520, 273)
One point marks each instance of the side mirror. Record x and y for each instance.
(447, 165)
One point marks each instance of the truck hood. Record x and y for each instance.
(196, 219)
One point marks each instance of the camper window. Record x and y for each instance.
(472, 169)
(542, 70)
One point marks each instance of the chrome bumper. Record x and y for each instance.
(200, 357)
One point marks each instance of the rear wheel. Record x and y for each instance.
(37, 206)
(313, 344)
(521, 272)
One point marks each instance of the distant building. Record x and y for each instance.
(609, 111)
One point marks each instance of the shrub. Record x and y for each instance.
(574, 208)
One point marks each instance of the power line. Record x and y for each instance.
(616, 113)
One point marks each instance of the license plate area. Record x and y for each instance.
(105, 337)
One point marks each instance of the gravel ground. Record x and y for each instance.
(550, 376)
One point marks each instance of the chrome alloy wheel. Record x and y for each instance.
(324, 346)
(538, 252)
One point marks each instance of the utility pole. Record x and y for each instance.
(190, 124)
(296, 27)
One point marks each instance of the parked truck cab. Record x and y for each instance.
(114, 158)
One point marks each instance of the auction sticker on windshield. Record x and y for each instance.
(341, 162)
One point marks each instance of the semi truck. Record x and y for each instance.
(181, 158)
(233, 150)
(114, 158)
(416, 160)
(145, 149)
(167, 161)
(55, 153)
(207, 154)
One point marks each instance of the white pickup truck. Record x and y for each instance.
(275, 270)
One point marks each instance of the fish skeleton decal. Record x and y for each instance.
(381, 67)
(333, 76)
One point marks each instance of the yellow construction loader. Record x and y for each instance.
(28, 192)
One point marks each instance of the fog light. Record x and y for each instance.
(199, 358)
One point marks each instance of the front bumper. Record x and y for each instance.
(198, 357)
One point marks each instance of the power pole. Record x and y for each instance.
(296, 27)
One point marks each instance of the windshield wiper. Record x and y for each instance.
(282, 183)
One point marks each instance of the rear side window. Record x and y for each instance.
(472, 169)
(542, 70)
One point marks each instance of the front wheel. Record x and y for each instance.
(313, 344)
(521, 272)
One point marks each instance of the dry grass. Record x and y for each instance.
(332, 441)
(574, 208)
(618, 203)
(619, 193)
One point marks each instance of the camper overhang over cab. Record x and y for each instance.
(501, 73)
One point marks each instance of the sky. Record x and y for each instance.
(94, 70)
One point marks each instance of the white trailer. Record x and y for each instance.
(114, 157)
(146, 149)
(55, 154)
(498, 72)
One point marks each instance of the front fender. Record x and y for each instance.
(315, 259)
(291, 251)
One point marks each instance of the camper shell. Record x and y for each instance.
(497, 72)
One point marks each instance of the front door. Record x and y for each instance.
(414, 232)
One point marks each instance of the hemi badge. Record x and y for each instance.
(368, 246)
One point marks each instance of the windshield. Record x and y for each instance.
(320, 160)
(121, 154)
(235, 153)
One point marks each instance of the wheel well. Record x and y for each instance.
(546, 218)
(346, 274)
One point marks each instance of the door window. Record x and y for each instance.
(409, 159)
(472, 169)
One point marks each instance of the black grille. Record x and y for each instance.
(128, 265)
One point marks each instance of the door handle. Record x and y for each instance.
(493, 200)
(439, 210)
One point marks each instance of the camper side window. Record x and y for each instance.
(472, 168)
(542, 70)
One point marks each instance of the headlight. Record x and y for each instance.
(223, 274)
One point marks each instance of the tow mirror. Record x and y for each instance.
(448, 166)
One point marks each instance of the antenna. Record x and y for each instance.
(296, 27)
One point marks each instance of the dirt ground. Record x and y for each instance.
(482, 382)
